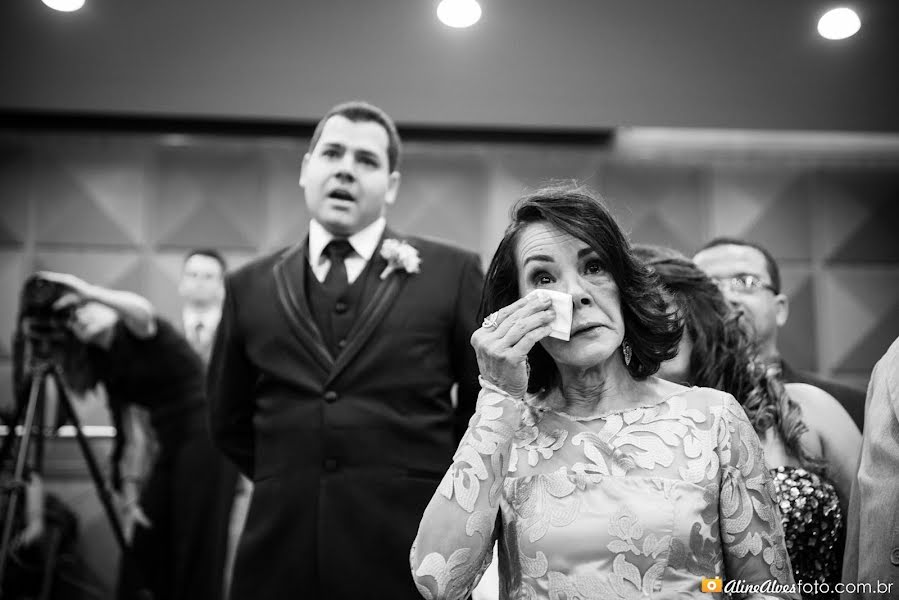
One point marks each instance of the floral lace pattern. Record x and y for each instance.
(639, 503)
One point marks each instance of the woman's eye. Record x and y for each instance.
(541, 279)
(593, 267)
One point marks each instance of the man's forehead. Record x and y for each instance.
(731, 259)
(202, 263)
(364, 135)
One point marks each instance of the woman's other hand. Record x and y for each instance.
(503, 342)
(130, 510)
(80, 289)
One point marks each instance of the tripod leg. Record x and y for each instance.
(11, 437)
(102, 491)
(9, 519)
(50, 568)
(96, 475)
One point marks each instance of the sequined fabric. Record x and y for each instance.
(813, 526)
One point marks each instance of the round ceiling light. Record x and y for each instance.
(459, 13)
(64, 5)
(839, 24)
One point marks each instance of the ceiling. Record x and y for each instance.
(563, 65)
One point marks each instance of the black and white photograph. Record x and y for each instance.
(449, 300)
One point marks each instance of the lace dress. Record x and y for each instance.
(814, 529)
(637, 503)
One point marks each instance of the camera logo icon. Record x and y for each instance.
(711, 585)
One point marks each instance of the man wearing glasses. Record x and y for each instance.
(749, 278)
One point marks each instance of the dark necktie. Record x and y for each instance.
(198, 333)
(336, 281)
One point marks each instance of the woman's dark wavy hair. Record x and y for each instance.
(649, 328)
(51, 341)
(723, 352)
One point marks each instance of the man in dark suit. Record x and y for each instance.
(331, 374)
(750, 279)
(202, 288)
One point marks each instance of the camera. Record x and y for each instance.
(43, 337)
(44, 330)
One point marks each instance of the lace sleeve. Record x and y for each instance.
(455, 538)
(751, 532)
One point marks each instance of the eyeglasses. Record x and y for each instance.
(743, 284)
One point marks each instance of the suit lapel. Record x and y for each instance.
(385, 294)
(290, 275)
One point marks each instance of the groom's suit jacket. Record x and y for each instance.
(345, 452)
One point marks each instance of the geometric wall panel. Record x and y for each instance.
(84, 199)
(765, 205)
(859, 307)
(797, 339)
(871, 194)
(163, 275)
(117, 270)
(504, 190)
(208, 197)
(532, 169)
(656, 204)
(15, 174)
(442, 198)
(876, 239)
(122, 209)
(872, 346)
(287, 218)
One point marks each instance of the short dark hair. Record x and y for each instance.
(358, 111)
(211, 253)
(650, 329)
(723, 352)
(770, 263)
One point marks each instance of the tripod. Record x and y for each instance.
(34, 432)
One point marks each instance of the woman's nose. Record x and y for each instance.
(578, 291)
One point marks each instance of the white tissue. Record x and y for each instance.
(562, 304)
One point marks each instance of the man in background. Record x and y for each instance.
(202, 288)
(331, 378)
(749, 278)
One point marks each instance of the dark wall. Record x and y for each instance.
(563, 64)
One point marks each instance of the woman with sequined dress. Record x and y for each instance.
(810, 442)
(596, 479)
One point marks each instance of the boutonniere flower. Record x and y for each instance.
(399, 255)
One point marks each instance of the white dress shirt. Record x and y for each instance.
(191, 317)
(364, 243)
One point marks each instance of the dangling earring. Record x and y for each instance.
(627, 351)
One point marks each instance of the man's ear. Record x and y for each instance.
(393, 186)
(303, 169)
(782, 309)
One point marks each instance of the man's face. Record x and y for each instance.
(765, 310)
(346, 177)
(202, 280)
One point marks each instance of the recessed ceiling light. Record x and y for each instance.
(839, 24)
(459, 13)
(64, 5)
